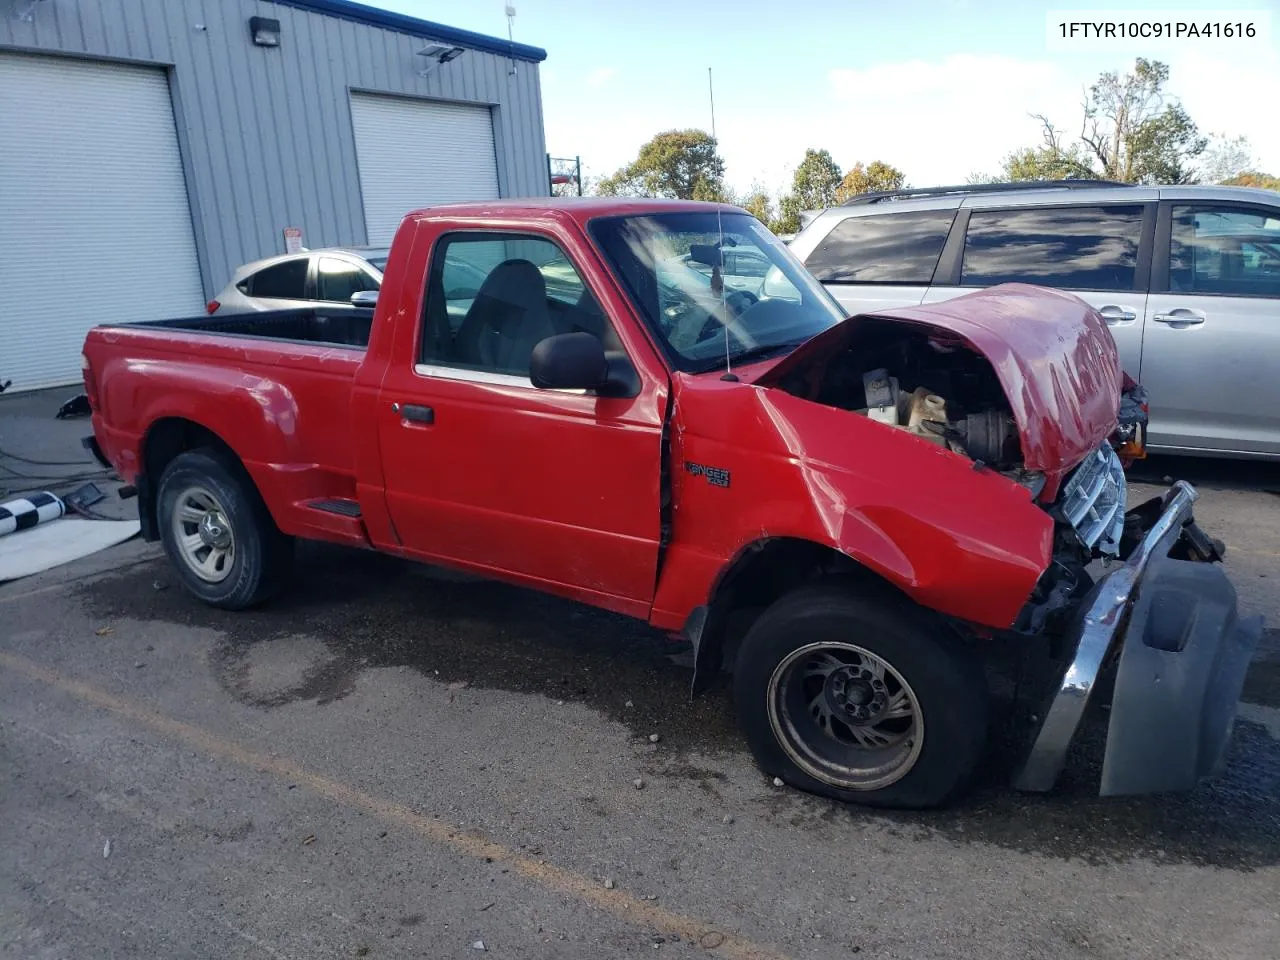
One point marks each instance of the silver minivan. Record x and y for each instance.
(1186, 277)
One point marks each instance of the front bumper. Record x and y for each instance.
(1183, 653)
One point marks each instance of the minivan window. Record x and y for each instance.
(1079, 248)
(286, 280)
(1225, 252)
(885, 248)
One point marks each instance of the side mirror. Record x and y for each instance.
(367, 299)
(569, 361)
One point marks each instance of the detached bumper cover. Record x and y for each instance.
(1181, 668)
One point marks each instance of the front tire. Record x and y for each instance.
(217, 531)
(861, 697)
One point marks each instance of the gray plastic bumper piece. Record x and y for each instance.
(1181, 672)
(1181, 669)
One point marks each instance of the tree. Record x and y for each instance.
(875, 177)
(816, 180)
(1130, 131)
(1252, 178)
(1164, 149)
(813, 187)
(1050, 161)
(1227, 157)
(758, 203)
(677, 164)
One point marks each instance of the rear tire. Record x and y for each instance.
(217, 532)
(861, 697)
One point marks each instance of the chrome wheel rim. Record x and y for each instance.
(203, 534)
(845, 716)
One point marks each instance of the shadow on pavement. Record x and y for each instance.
(369, 610)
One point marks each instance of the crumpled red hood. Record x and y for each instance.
(1052, 352)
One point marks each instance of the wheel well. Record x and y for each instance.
(165, 440)
(758, 576)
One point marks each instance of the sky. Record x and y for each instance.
(938, 88)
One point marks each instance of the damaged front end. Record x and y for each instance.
(1028, 383)
(1166, 620)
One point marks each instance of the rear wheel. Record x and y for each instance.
(218, 533)
(860, 697)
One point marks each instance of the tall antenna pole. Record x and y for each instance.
(711, 90)
(511, 31)
(717, 272)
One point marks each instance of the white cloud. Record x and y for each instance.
(1236, 97)
(940, 121)
(601, 76)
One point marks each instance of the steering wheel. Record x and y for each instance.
(738, 302)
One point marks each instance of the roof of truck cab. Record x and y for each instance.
(576, 209)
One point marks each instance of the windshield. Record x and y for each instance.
(707, 282)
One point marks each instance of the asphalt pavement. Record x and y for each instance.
(392, 761)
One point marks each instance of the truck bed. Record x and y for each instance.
(335, 327)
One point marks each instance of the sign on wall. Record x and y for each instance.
(292, 239)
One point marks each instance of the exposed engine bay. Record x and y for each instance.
(931, 383)
(923, 382)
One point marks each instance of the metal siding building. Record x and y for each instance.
(265, 140)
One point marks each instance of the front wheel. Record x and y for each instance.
(857, 696)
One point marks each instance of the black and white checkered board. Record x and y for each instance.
(26, 512)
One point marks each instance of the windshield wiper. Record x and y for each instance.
(762, 352)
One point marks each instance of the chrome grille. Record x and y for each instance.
(1093, 500)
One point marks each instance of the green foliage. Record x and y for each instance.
(1227, 157)
(1046, 163)
(788, 215)
(677, 164)
(813, 187)
(816, 180)
(1252, 178)
(875, 177)
(758, 203)
(1163, 149)
(1129, 131)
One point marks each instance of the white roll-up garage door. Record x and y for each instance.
(414, 153)
(94, 221)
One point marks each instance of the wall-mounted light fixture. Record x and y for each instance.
(265, 32)
(438, 54)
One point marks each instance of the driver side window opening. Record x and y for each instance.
(491, 298)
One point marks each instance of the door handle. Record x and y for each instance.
(414, 413)
(1180, 317)
(1115, 315)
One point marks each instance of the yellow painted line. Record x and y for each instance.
(469, 843)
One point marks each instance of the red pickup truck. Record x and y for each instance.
(651, 407)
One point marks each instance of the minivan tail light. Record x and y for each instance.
(212, 306)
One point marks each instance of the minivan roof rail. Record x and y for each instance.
(908, 192)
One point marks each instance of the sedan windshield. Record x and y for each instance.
(714, 286)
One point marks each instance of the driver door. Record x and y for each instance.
(556, 489)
